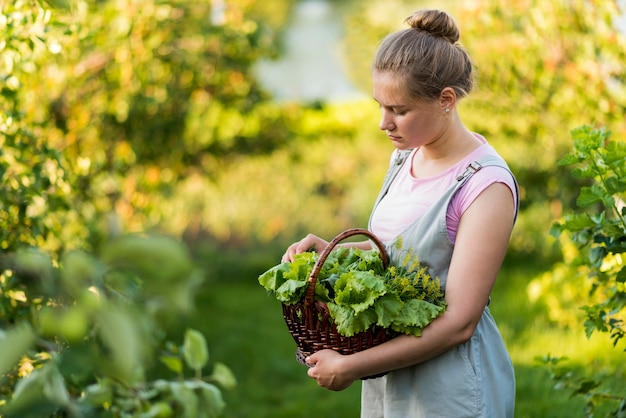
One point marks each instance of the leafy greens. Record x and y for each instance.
(360, 292)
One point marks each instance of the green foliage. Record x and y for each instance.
(90, 329)
(598, 230)
(581, 385)
(136, 115)
(599, 227)
(543, 68)
(108, 105)
(33, 185)
(359, 292)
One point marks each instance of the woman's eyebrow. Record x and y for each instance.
(389, 105)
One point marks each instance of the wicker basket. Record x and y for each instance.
(309, 320)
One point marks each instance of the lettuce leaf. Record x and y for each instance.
(287, 281)
(349, 322)
(388, 307)
(415, 315)
(358, 290)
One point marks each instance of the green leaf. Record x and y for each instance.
(27, 394)
(556, 229)
(585, 386)
(388, 307)
(223, 376)
(159, 260)
(39, 394)
(121, 334)
(195, 350)
(78, 271)
(291, 291)
(323, 288)
(287, 281)
(415, 315)
(348, 322)
(577, 221)
(13, 345)
(157, 410)
(54, 386)
(358, 290)
(589, 196)
(98, 394)
(612, 185)
(569, 159)
(273, 278)
(596, 256)
(211, 399)
(173, 363)
(185, 396)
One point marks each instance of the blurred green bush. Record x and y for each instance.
(132, 116)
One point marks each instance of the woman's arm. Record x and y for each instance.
(481, 244)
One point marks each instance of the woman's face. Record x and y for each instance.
(408, 122)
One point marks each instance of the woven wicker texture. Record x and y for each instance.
(309, 320)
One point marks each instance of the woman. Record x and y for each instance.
(451, 198)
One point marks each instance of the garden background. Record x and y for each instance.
(162, 119)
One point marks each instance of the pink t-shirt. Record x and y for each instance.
(409, 197)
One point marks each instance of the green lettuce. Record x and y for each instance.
(288, 281)
(349, 322)
(358, 289)
(414, 315)
(359, 292)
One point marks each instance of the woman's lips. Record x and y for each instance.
(393, 137)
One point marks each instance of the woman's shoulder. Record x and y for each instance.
(485, 155)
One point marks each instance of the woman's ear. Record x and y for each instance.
(447, 98)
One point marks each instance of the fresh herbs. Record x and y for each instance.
(360, 292)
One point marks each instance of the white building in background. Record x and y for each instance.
(620, 21)
(310, 68)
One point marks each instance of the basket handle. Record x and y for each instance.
(309, 296)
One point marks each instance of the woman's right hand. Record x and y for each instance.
(309, 243)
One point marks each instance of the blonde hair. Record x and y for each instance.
(427, 55)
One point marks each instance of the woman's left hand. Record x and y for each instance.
(326, 366)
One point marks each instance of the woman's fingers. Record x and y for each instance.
(310, 242)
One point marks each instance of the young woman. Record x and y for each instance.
(452, 199)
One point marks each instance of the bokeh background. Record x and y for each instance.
(237, 126)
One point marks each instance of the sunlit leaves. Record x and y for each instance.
(41, 393)
(101, 323)
(195, 351)
(13, 345)
(598, 228)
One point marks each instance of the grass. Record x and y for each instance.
(245, 330)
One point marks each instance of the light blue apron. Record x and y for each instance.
(473, 380)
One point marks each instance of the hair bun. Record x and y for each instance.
(435, 22)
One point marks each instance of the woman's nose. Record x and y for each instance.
(386, 123)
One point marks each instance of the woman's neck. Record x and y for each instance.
(454, 145)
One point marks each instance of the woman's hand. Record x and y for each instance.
(308, 243)
(326, 366)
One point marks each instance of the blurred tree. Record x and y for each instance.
(543, 67)
(33, 186)
(87, 93)
(127, 98)
(146, 93)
